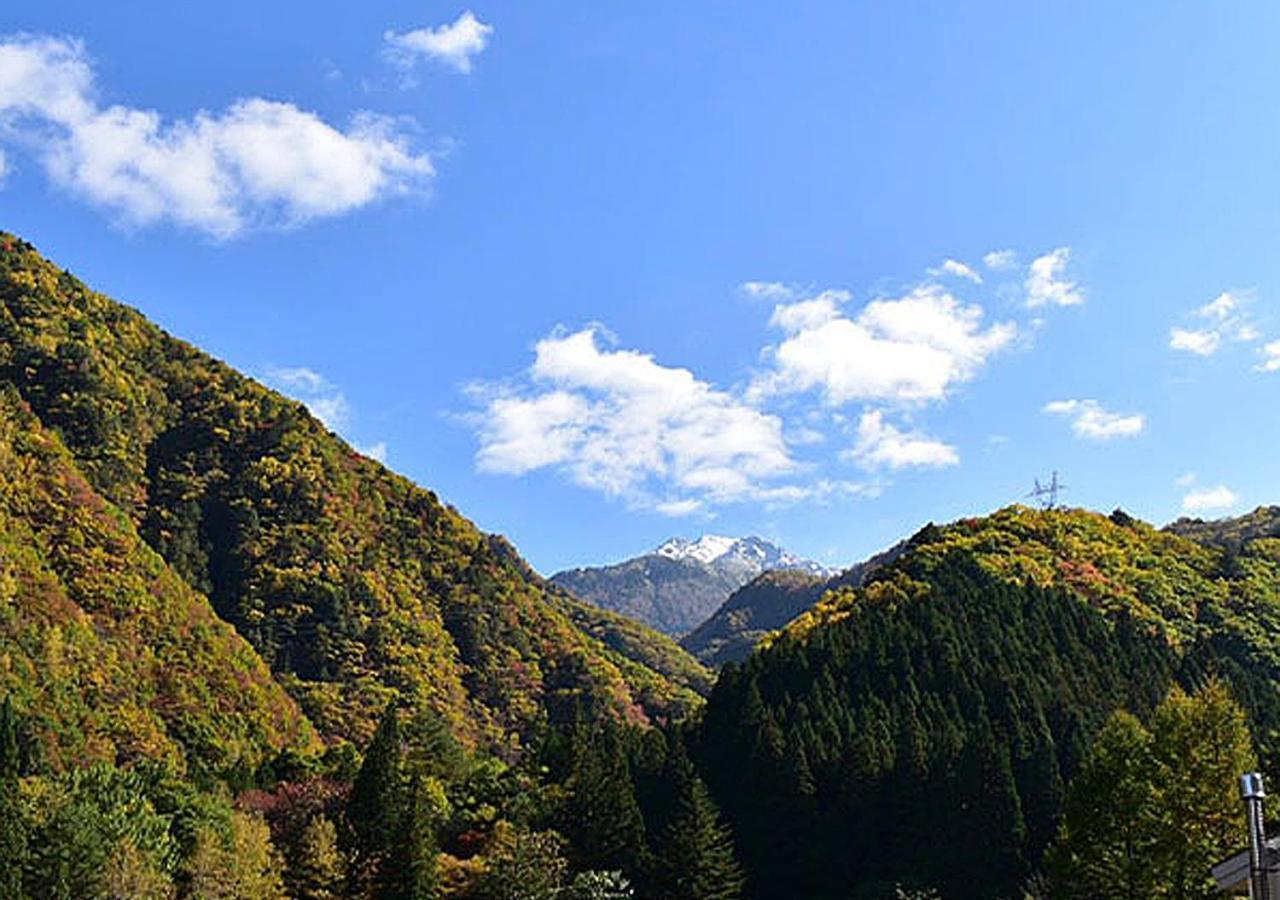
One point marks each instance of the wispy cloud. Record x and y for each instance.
(767, 290)
(1270, 354)
(880, 444)
(956, 269)
(1090, 420)
(323, 398)
(454, 45)
(1000, 260)
(1046, 284)
(258, 163)
(1207, 499)
(1224, 319)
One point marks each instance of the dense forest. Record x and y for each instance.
(240, 660)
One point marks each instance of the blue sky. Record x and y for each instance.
(601, 274)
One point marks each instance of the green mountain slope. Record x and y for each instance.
(113, 656)
(969, 676)
(766, 604)
(348, 579)
(1232, 533)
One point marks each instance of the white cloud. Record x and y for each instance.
(999, 260)
(914, 348)
(1200, 342)
(1270, 354)
(376, 451)
(956, 269)
(1220, 497)
(325, 401)
(676, 508)
(1045, 284)
(619, 422)
(1227, 320)
(259, 163)
(451, 45)
(1090, 420)
(1219, 308)
(880, 444)
(767, 290)
(1185, 480)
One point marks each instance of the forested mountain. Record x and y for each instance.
(112, 654)
(920, 729)
(208, 603)
(766, 604)
(675, 587)
(1231, 533)
(352, 583)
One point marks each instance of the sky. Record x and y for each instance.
(601, 274)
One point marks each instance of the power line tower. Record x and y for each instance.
(1046, 495)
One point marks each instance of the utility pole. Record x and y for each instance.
(1252, 792)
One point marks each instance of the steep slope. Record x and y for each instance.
(766, 604)
(680, 583)
(969, 676)
(111, 655)
(348, 579)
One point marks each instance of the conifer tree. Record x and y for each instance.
(605, 820)
(13, 838)
(376, 806)
(697, 861)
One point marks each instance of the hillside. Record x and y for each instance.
(1232, 533)
(678, 585)
(115, 657)
(766, 604)
(969, 676)
(350, 581)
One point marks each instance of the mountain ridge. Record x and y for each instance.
(679, 583)
(353, 584)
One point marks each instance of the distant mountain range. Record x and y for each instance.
(679, 584)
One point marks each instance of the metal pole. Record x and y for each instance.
(1253, 793)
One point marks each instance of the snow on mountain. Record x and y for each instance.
(751, 553)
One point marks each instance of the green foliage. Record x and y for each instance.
(111, 655)
(1153, 810)
(320, 870)
(695, 849)
(352, 583)
(971, 675)
(13, 832)
(92, 825)
(241, 865)
(524, 866)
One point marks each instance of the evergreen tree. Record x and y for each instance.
(605, 823)
(375, 809)
(13, 837)
(696, 859)
(1104, 847)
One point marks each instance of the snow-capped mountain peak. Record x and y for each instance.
(707, 548)
(754, 554)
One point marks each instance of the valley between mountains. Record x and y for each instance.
(238, 655)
